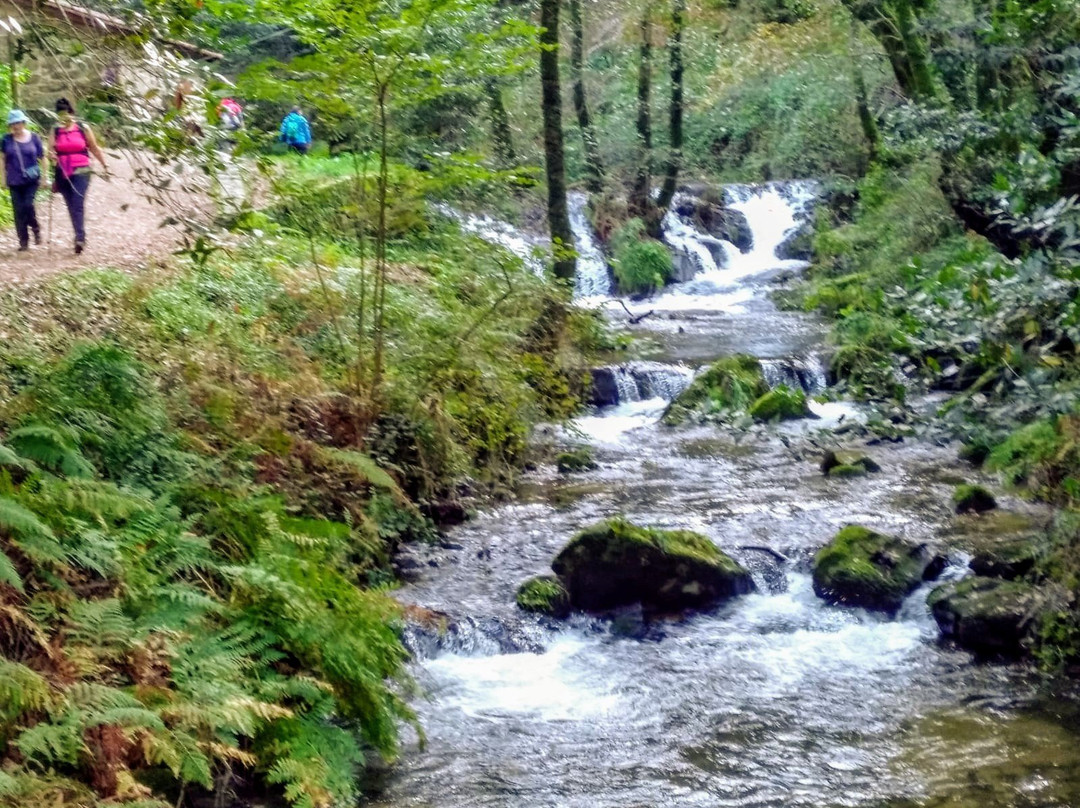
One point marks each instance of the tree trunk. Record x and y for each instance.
(594, 167)
(639, 193)
(882, 24)
(501, 134)
(918, 58)
(562, 241)
(862, 100)
(671, 175)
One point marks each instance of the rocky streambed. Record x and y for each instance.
(793, 694)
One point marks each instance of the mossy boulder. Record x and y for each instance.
(615, 563)
(847, 463)
(973, 499)
(781, 404)
(732, 383)
(860, 567)
(1009, 559)
(989, 615)
(579, 459)
(544, 594)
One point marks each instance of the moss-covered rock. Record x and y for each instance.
(862, 568)
(615, 563)
(989, 615)
(781, 404)
(845, 470)
(973, 499)
(544, 594)
(732, 383)
(835, 459)
(579, 459)
(1009, 560)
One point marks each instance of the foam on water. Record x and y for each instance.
(612, 425)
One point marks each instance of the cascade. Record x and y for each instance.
(593, 280)
(806, 373)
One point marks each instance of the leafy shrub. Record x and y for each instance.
(641, 264)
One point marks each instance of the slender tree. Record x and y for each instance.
(639, 193)
(594, 167)
(501, 134)
(862, 98)
(675, 110)
(558, 214)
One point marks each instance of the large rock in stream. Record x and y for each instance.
(712, 216)
(615, 564)
(990, 616)
(732, 383)
(860, 567)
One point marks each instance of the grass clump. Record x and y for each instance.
(544, 594)
(780, 404)
(642, 264)
(973, 499)
(575, 460)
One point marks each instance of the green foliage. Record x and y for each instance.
(730, 384)
(641, 264)
(578, 459)
(544, 594)
(780, 404)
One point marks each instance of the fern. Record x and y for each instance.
(9, 458)
(8, 574)
(367, 467)
(21, 690)
(52, 449)
(32, 536)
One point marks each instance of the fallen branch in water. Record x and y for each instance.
(635, 318)
(783, 559)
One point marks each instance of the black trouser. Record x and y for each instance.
(22, 202)
(74, 189)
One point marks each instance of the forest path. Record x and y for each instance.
(123, 226)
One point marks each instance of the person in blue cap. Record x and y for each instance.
(23, 154)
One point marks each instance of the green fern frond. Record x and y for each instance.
(52, 449)
(99, 624)
(8, 574)
(130, 717)
(9, 458)
(366, 466)
(53, 742)
(21, 690)
(32, 536)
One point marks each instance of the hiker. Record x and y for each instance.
(70, 145)
(230, 115)
(23, 154)
(296, 132)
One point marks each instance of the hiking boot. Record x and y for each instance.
(79, 246)
(37, 236)
(24, 248)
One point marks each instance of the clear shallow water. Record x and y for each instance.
(773, 700)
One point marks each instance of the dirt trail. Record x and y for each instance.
(123, 227)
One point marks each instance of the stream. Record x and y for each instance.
(776, 699)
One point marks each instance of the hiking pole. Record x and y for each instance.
(48, 247)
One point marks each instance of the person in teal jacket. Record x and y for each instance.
(296, 132)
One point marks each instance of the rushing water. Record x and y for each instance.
(776, 699)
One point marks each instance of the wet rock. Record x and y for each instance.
(604, 390)
(781, 404)
(1005, 559)
(407, 565)
(799, 246)
(973, 499)
(852, 462)
(860, 567)
(544, 594)
(716, 219)
(615, 563)
(446, 513)
(988, 615)
(575, 460)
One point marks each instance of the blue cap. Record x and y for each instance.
(17, 116)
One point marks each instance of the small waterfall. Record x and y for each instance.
(592, 279)
(806, 373)
(773, 212)
(528, 248)
(638, 381)
(471, 636)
